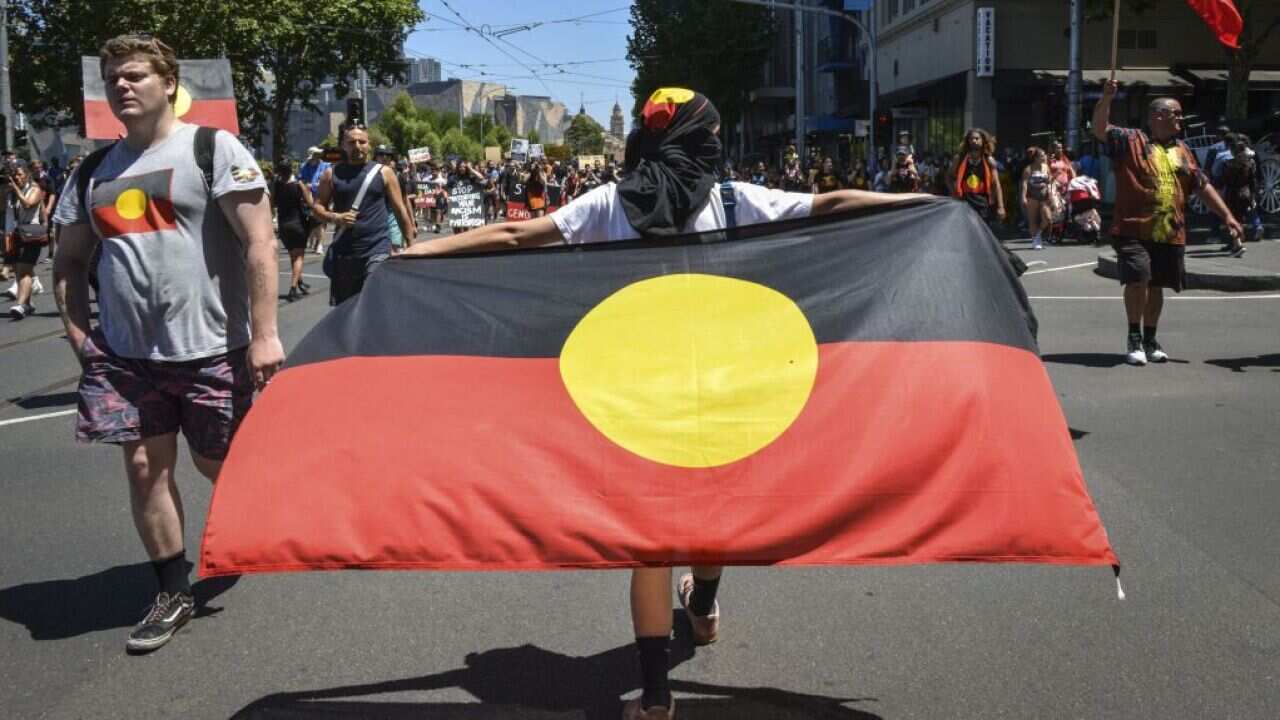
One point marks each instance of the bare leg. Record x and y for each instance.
(1135, 301)
(1154, 306)
(651, 602)
(295, 267)
(1033, 216)
(26, 277)
(153, 494)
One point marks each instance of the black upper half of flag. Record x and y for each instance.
(925, 271)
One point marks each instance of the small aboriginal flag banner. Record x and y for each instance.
(861, 389)
(1223, 18)
(206, 96)
(134, 204)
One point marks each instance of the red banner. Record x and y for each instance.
(1223, 18)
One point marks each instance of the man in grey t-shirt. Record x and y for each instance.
(187, 301)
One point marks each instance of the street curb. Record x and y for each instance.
(1218, 277)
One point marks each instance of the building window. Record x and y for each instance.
(908, 6)
(1147, 40)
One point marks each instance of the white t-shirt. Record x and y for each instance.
(598, 216)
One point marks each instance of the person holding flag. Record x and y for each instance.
(1155, 174)
(670, 188)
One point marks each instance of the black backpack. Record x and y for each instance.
(203, 147)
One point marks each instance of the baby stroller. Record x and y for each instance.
(1083, 199)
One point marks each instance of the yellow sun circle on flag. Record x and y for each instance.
(182, 103)
(131, 204)
(691, 370)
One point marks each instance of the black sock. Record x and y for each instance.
(1135, 330)
(654, 660)
(1149, 333)
(703, 598)
(172, 573)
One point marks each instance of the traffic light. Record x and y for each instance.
(355, 111)
(884, 128)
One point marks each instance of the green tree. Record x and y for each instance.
(498, 136)
(405, 124)
(585, 136)
(455, 142)
(1257, 31)
(280, 50)
(683, 43)
(534, 137)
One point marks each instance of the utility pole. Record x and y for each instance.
(798, 18)
(6, 102)
(1074, 77)
(364, 95)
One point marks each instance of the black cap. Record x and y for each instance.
(383, 150)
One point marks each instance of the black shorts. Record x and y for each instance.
(23, 253)
(1157, 264)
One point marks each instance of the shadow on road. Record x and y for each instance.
(528, 682)
(114, 598)
(1239, 364)
(1093, 360)
(37, 402)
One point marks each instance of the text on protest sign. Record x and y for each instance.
(466, 205)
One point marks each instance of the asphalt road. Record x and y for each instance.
(1181, 459)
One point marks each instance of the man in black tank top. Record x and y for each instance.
(361, 241)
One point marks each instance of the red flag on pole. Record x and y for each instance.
(1222, 16)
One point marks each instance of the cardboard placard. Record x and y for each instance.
(519, 150)
(420, 155)
(466, 205)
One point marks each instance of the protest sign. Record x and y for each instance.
(519, 150)
(493, 154)
(589, 160)
(518, 201)
(420, 155)
(535, 152)
(466, 205)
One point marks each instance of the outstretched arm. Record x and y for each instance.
(842, 200)
(500, 236)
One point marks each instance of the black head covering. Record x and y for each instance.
(670, 162)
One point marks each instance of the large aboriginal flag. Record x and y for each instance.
(862, 389)
(206, 96)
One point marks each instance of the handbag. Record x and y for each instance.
(32, 234)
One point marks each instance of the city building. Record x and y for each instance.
(833, 94)
(617, 123)
(422, 70)
(945, 65)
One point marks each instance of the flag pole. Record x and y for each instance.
(1115, 39)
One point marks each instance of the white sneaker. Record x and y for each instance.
(37, 287)
(12, 292)
(1154, 352)
(1136, 355)
(18, 312)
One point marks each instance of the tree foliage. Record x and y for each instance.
(585, 136)
(716, 47)
(456, 142)
(280, 51)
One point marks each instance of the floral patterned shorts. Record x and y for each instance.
(126, 399)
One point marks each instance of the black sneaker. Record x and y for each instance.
(169, 613)
(1154, 352)
(305, 287)
(294, 294)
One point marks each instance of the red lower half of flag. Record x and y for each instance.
(101, 124)
(905, 452)
(156, 215)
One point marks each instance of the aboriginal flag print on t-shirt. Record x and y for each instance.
(860, 389)
(133, 205)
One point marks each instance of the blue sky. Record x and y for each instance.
(575, 52)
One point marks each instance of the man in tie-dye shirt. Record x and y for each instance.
(1155, 174)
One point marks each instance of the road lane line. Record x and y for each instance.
(1064, 267)
(46, 416)
(313, 277)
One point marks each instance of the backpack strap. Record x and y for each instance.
(205, 145)
(84, 175)
(730, 202)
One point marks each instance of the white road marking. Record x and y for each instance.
(1064, 267)
(46, 416)
(313, 277)
(1174, 297)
